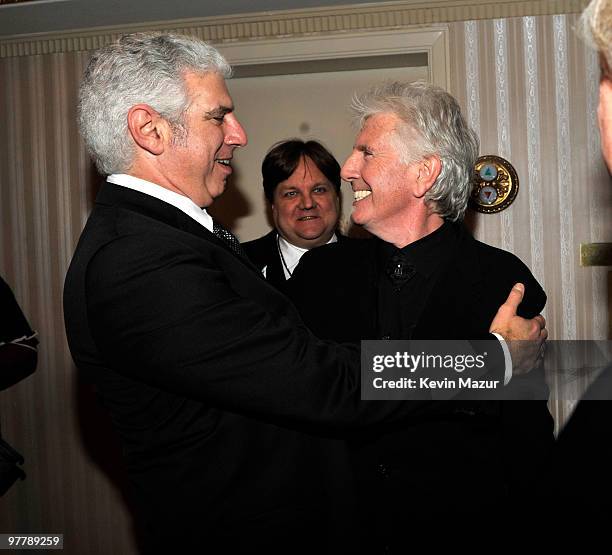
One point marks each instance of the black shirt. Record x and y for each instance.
(406, 278)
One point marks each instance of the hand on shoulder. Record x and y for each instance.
(525, 337)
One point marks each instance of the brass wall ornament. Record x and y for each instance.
(495, 184)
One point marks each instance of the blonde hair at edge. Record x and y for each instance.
(596, 28)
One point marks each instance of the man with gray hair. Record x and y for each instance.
(423, 276)
(213, 383)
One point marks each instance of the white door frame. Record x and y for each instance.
(432, 40)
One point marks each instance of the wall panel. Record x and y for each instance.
(529, 87)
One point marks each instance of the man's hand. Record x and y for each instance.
(525, 338)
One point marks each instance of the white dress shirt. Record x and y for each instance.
(290, 255)
(183, 203)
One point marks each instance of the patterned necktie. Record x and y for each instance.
(228, 238)
(399, 270)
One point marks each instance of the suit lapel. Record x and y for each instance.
(274, 268)
(147, 205)
(238, 270)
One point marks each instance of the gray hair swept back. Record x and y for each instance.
(138, 68)
(596, 28)
(431, 124)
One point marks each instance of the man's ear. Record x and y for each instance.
(429, 170)
(148, 129)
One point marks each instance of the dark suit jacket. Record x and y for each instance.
(432, 463)
(583, 462)
(263, 252)
(213, 383)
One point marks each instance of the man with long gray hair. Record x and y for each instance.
(214, 384)
(425, 277)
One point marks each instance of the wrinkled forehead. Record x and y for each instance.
(387, 127)
(208, 87)
(379, 126)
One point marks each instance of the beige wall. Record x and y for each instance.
(529, 88)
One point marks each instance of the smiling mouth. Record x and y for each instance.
(223, 161)
(306, 218)
(360, 195)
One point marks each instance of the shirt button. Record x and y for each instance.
(382, 470)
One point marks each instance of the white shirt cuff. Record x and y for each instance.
(507, 358)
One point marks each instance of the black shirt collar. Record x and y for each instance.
(427, 254)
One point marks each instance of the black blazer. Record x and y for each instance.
(213, 383)
(477, 280)
(429, 462)
(263, 253)
(583, 459)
